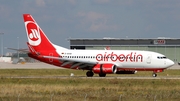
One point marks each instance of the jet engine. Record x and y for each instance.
(104, 68)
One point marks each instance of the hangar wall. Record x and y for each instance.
(167, 46)
(172, 52)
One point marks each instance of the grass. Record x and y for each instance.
(67, 72)
(86, 89)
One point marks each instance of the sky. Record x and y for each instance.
(64, 19)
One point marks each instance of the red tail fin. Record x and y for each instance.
(38, 42)
(36, 37)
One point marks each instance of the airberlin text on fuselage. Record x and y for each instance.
(131, 57)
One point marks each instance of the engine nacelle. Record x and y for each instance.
(126, 72)
(104, 68)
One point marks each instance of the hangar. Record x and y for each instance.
(167, 46)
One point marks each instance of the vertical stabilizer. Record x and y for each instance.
(37, 40)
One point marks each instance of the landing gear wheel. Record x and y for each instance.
(102, 75)
(89, 74)
(154, 74)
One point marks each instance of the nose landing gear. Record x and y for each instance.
(156, 71)
(154, 74)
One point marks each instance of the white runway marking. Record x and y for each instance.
(84, 77)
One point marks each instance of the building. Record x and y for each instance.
(167, 46)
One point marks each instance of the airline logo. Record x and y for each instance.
(132, 57)
(33, 32)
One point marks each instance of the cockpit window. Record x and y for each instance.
(162, 57)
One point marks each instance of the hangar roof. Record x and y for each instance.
(108, 38)
(125, 41)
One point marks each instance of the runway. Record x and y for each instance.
(47, 66)
(84, 77)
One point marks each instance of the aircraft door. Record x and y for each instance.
(148, 60)
(164, 62)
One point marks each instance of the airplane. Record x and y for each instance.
(100, 62)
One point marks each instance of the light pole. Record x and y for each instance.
(2, 44)
(18, 47)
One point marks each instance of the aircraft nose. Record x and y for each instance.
(170, 63)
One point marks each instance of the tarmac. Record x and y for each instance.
(41, 65)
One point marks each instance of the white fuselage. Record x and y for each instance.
(121, 58)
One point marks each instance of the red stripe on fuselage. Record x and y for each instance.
(140, 69)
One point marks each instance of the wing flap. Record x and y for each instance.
(66, 63)
(82, 64)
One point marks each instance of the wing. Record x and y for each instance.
(81, 64)
(20, 50)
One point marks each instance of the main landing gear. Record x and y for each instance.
(102, 75)
(90, 74)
